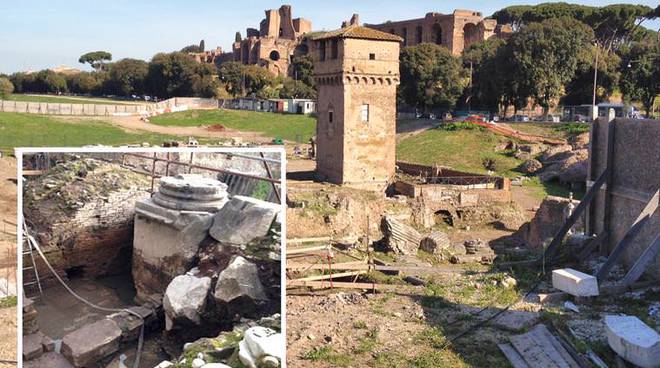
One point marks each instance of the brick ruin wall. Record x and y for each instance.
(92, 240)
(636, 177)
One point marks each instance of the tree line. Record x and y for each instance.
(166, 75)
(548, 60)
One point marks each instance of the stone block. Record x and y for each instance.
(91, 343)
(574, 282)
(243, 219)
(516, 320)
(129, 324)
(239, 281)
(32, 347)
(50, 360)
(185, 299)
(633, 340)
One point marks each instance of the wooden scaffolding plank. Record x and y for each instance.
(291, 251)
(631, 234)
(342, 285)
(642, 262)
(332, 276)
(568, 224)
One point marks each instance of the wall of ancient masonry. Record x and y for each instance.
(363, 73)
(635, 178)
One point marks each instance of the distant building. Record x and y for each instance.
(455, 31)
(278, 38)
(356, 71)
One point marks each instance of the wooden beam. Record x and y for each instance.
(332, 276)
(643, 262)
(364, 266)
(342, 285)
(568, 224)
(630, 235)
(307, 249)
(609, 163)
(309, 240)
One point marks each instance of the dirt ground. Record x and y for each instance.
(133, 124)
(7, 336)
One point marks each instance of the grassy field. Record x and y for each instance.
(552, 130)
(463, 150)
(28, 130)
(68, 99)
(291, 127)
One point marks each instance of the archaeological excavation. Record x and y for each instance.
(397, 264)
(152, 259)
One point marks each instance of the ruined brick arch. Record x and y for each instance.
(470, 34)
(437, 33)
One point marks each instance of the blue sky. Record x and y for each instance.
(36, 34)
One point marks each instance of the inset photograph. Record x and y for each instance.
(152, 259)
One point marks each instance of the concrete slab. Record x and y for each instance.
(574, 282)
(50, 360)
(633, 340)
(516, 320)
(91, 343)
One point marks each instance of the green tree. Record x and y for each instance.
(47, 81)
(202, 46)
(6, 87)
(190, 49)
(302, 69)
(96, 59)
(613, 25)
(580, 89)
(545, 57)
(292, 88)
(232, 75)
(430, 77)
(85, 83)
(640, 72)
(238, 37)
(127, 77)
(487, 78)
(177, 74)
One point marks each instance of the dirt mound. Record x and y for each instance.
(216, 128)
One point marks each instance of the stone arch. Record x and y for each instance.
(437, 33)
(470, 34)
(356, 80)
(373, 80)
(348, 80)
(380, 80)
(389, 81)
(364, 80)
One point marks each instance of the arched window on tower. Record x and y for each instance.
(437, 32)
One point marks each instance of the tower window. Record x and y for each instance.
(334, 49)
(372, 56)
(331, 115)
(365, 113)
(322, 50)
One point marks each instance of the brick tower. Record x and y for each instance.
(356, 71)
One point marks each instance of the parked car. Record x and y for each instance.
(520, 118)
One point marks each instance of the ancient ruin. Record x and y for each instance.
(164, 259)
(456, 31)
(279, 37)
(356, 71)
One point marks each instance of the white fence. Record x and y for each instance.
(49, 108)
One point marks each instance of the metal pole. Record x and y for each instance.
(594, 112)
(270, 175)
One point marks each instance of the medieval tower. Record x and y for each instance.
(357, 72)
